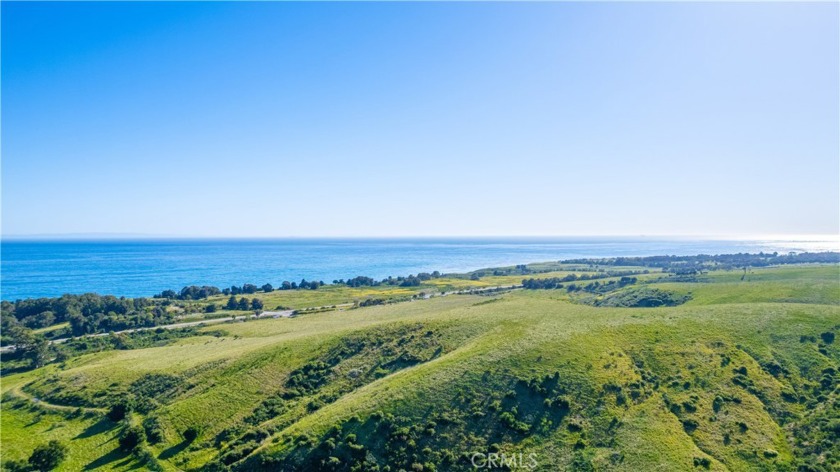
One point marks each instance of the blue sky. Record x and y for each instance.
(404, 119)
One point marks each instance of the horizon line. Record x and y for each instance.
(48, 237)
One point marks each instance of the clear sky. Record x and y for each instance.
(403, 119)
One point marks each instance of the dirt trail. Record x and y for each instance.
(19, 393)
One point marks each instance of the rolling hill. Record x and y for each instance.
(741, 374)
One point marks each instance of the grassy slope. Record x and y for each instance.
(659, 360)
(339, 294)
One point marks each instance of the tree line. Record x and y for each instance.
(92, 313)
(241, 304)
(194, 292)
(87, 313)
(592, 287)
(682, 265)
(408, 281)
(557, 282)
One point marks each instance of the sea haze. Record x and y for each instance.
(145, 267)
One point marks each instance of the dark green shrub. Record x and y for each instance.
(717, 404)
(145, 457)
(16, 466)
(153, 429)
(833, 427)
(131, 438)
(191, 433)
(238, 453)
(119, 410)
(690, 425)
(702, 462)
(641, 298)
(48, 456)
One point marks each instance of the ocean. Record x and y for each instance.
(38, 268)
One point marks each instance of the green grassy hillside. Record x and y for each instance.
(742, 376)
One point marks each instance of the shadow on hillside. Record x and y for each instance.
(129, 461)
(174, 450)
(99, 427)
(34, 421)
(112, 456)
(14, 370)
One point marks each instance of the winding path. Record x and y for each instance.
(18, 392)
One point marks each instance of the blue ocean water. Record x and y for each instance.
(146, 267)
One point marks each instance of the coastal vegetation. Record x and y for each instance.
(90, 313)
(590, 365)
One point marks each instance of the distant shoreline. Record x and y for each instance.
(98, 238)
(140, 268)
(603, 261)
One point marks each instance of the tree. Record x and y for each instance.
(120, 409)
(41, 320)
(410, 281)
(232, 303)
(31, 347)
(249, 288)
(267, 288)
(211, 308)
(257, 304)
(243, 303)
(131, 438)
(191, 433)
(193, 292)
(48, 456)
(78, 324)
(38, 352)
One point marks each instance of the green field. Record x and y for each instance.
(331, 294)
(742, 376)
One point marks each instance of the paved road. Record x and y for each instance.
(274, 314)
(267, 314)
